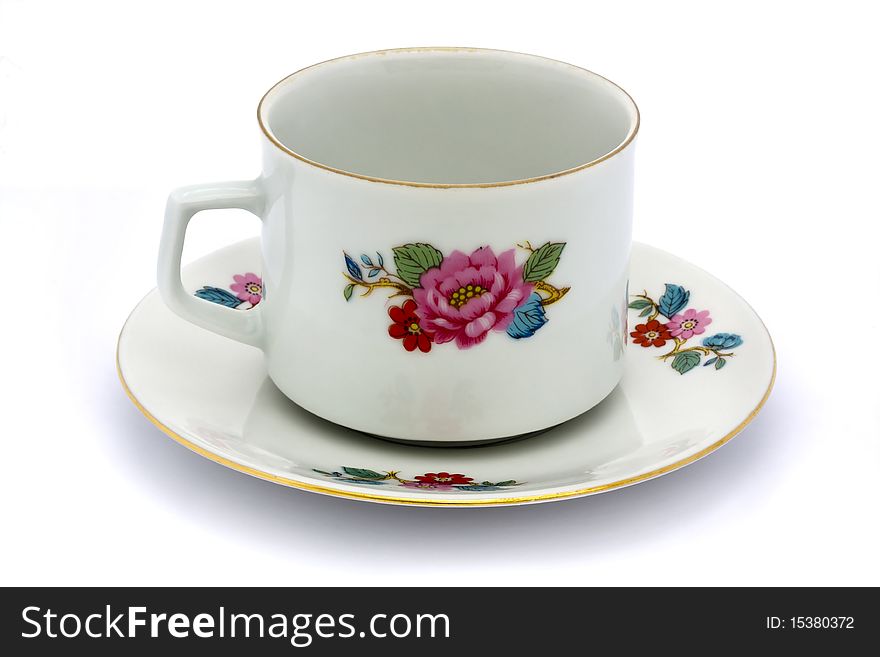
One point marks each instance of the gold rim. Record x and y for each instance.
(506, 183)
(445, 503)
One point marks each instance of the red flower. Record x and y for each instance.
(407, 327)
(443, 478)
(651, 334)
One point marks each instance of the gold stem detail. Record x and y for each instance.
(706, 351)
(554, 294)
(402, 290)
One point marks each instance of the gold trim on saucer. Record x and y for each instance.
(506, 183)
(390, 499)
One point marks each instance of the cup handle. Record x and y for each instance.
(183, 203)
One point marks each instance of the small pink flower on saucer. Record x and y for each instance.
(248, 287)
(689, 323)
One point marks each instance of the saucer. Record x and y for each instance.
(699, 364)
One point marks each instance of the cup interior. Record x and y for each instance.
(448, 116)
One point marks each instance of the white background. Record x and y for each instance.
(757, 160)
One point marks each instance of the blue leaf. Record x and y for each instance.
(673, 300)
(381, 259)
(366, 260)
(219, 295)
(353, 268)
(528, 318)
(373, 273)
(710, 361)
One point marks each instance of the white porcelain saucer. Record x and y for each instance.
(212, 395)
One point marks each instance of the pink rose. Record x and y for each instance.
(468, 296)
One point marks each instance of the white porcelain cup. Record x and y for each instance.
(445, 241)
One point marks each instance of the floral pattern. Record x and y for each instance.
(689, 324)
(618, 328)
(247, 292)
(460, 298)
(407, 326)
(681, 325)
(651, 334)
(437, 481)
(248, 287)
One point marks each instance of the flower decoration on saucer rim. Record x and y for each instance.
(248, 287)
(434, 481)
(651, 334)
(246, 292)
(681, 325)
(459, 297)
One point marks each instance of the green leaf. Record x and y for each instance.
(508, 482)
(348, 291)
(362, 473)
(720, 363)
(413, 260)
(638, 304)
(542, 262)
(686, 361)
(646, 312)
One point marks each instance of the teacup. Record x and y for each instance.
(446, 236)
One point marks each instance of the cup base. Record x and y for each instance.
(461, 443)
